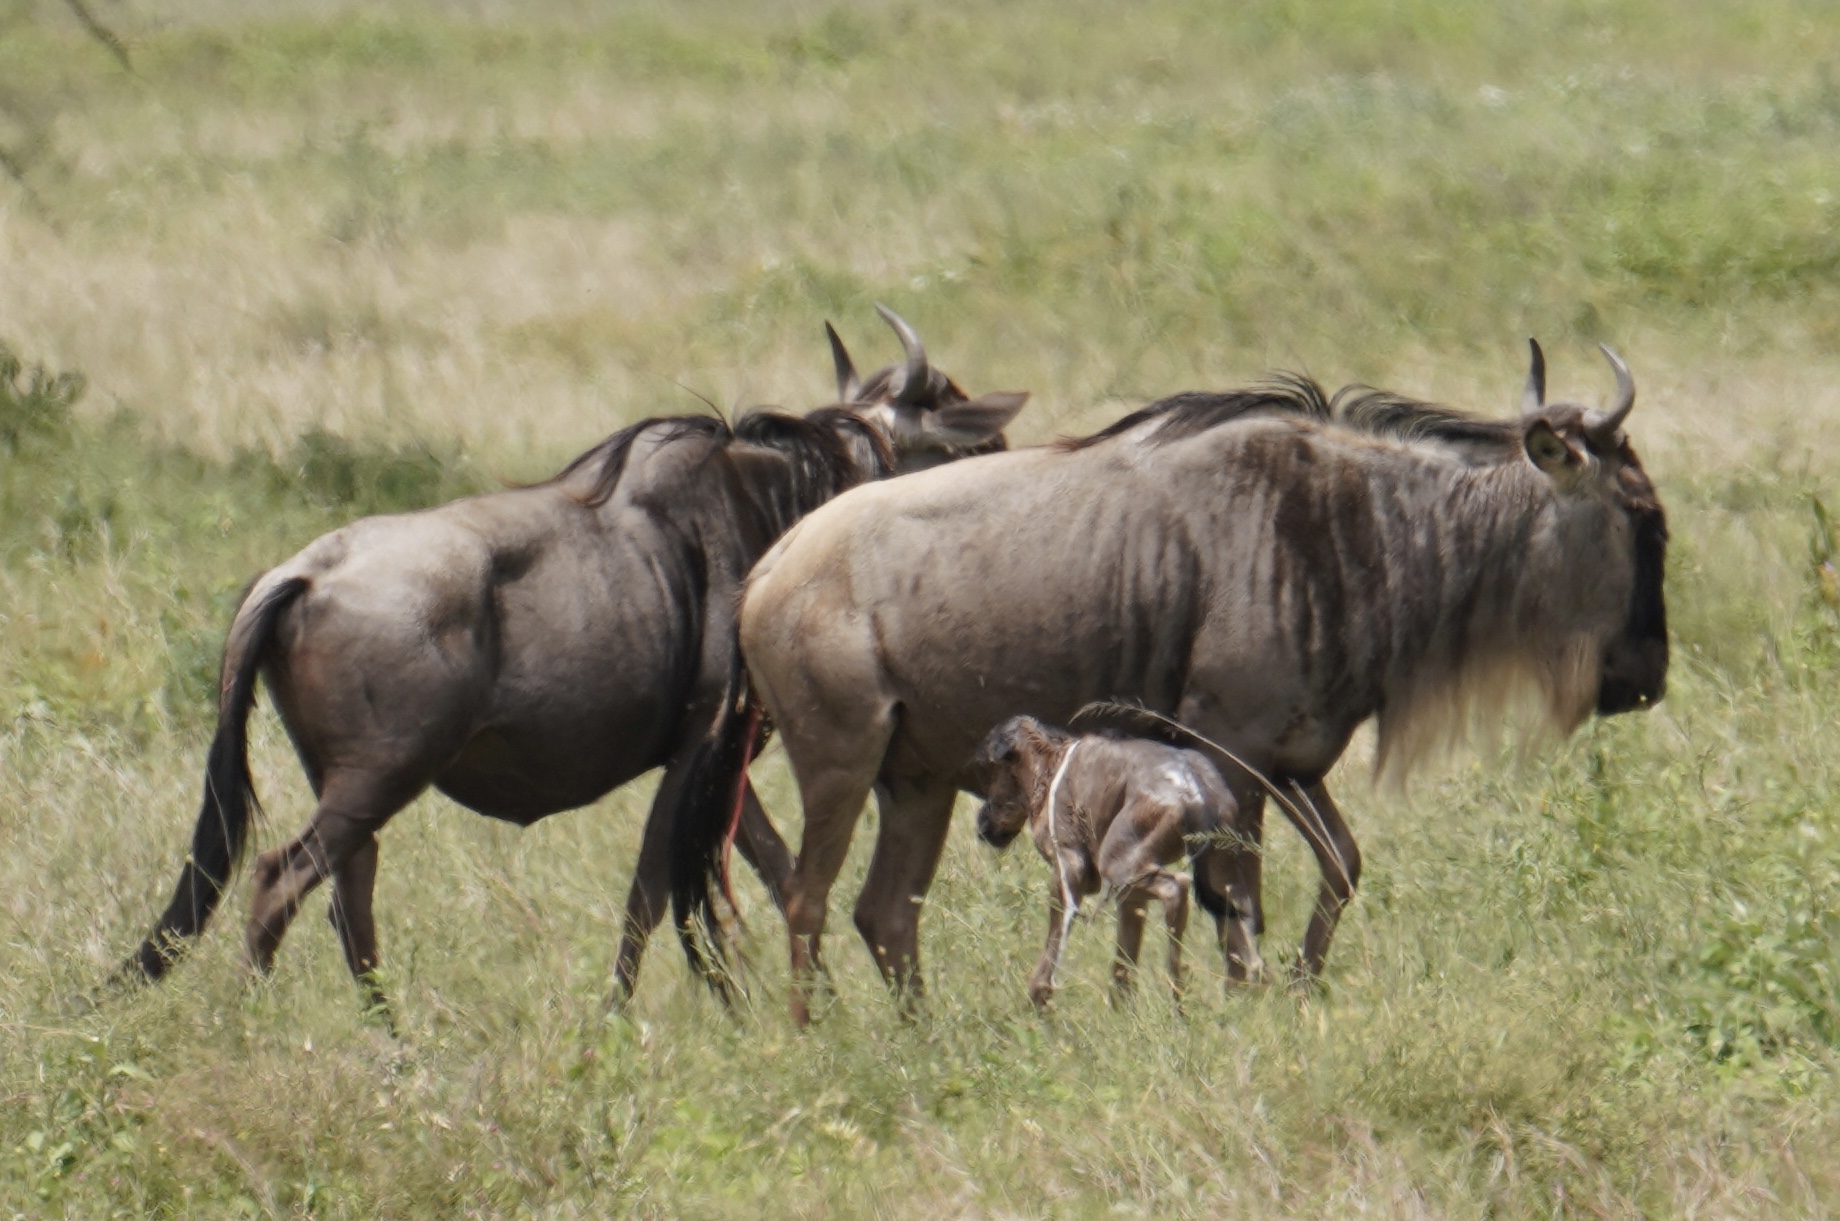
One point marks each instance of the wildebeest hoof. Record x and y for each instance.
(1248, 978)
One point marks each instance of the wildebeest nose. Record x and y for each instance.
(988, 831)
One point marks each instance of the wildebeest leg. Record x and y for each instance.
(1340, 861)
(908, 843)
(762, 847)
(833, 797)
(1238, 928)
(1228, 878)
(353, 884)
(1060, 919)
(1171, 890)
(836, 746)
(1168, 889)
(1133, 905)
(650, 895)
(351, 809)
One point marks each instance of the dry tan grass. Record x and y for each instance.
(1595, 984)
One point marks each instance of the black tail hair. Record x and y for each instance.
(1137, 721)
(229, 791)
(703, 817)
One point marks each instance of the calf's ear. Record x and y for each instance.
(973, 421)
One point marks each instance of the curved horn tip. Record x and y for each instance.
(917, 369)
(1625, 381)
(1534, 396)
(1616, 363)
(1606, 423)
(910, 340)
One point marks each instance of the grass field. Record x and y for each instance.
(309, 261)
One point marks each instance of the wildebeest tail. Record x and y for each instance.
(704, 817)
(1137, 721)
(229, 792)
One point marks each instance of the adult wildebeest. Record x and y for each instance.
(527, 651)
(1270, 566)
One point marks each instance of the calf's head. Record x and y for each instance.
(1613, 526)
(921, 413)
(1016, 763)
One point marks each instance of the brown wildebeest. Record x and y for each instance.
(527, 651)
(1269, 566)
(1108, 814)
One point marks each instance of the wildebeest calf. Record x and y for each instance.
(1109, 814)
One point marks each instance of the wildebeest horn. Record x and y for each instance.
(1534, 396)
(1601, 426)
(849, 386)
(915, 376)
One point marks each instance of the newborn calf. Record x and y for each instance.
(1108, 813)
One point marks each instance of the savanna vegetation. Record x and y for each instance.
(290, 263)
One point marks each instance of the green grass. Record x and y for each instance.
(307, 263)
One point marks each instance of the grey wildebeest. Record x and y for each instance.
(528, 650)
(1109, 814)
(1269, 566)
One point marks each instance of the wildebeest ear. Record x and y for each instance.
(973, 421)
(1548, 450)
(999, 745)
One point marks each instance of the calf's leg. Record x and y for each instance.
(1061, 914)
(1132, 908)
(1172, 891)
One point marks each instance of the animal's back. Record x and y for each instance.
(1168, 777)
(1137, 569)
(932, 584)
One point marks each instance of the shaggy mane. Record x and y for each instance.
(1197, 411)
(1357, 408)
(818, 446)
(1383, 413)
(608, 459)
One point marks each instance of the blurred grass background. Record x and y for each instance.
(304, 261)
